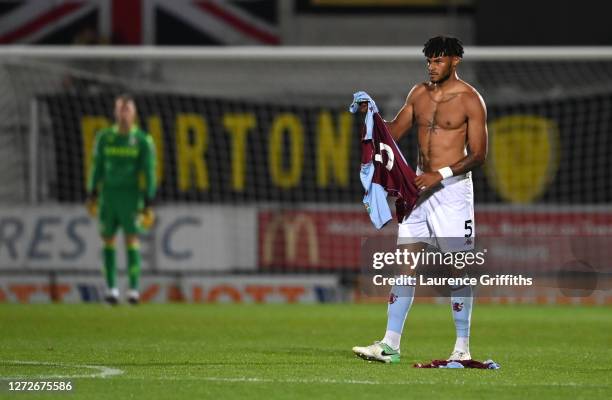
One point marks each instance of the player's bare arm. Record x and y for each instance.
(404, 119)
(477, 136)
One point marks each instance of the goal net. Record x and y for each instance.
(256, 146)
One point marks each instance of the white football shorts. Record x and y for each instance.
(443, 216)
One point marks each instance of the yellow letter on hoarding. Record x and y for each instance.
(238, 125)
(286, 178)
(155, 129)
(190, 152)
(90, 125)
(333, 149)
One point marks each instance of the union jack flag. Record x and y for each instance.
(218, 22)
(39, 21)
(221, 22)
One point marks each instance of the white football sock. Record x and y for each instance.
(463, 344)
(400, 300)
(392, 339)
(461, 304)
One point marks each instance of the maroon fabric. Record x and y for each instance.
(466, 364)
(399, 181)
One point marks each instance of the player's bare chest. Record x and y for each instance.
(448, 113)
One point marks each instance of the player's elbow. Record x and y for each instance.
(479, 158)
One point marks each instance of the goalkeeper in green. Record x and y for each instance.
(121, 186)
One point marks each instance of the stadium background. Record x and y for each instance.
(259, 198)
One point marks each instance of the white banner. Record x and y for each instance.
(206, 238)
(189, 238)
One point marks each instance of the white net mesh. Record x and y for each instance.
(268, 130)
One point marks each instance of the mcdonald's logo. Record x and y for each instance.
(298, 231)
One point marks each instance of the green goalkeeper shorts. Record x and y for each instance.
(119, 209)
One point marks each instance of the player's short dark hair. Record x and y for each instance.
(125, 97)
(441, 46)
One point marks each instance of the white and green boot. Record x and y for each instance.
(379, 351)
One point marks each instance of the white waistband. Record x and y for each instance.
(452, 179)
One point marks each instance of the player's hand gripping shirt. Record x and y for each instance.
(384, 171)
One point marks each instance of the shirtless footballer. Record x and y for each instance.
(450, 116)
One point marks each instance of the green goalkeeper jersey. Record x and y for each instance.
(123, 162)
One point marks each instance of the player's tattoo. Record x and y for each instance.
(431, 124)
(422, 161)
(431, 129)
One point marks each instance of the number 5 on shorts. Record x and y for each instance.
(468, 227)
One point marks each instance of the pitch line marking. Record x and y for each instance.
(102, 371)
(106, 372)
(288, 380)
(347, 381)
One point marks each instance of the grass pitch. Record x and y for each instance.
(294, 351)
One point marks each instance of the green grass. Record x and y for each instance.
(268, 351)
